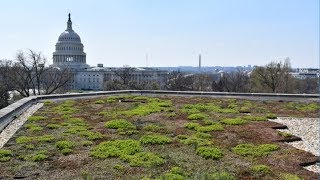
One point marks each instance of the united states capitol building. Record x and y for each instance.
(69, 53)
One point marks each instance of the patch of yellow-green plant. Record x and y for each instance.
(234, 121)
(197, 116)
(5, 155)
(305, 107)
(155, 139)
(143, 159)
(36, 118)
(86, 143)
(207, 107)
(37, 156)
(100, 101)
(119, 124)
(221, 176)
(255, 118)
(191, 125)
(176, 173)
(53, 126)
(271, 116)
(116, 148)
(47, 102)
(153, 106)
(66, 108)
(288, 176)
(152, 128)
(260, 169)
(171, 115)
(65, 146)
(285, 134)
(33, 127)
(195, 139)
(254, 150)
(210, 152)
(28, 139)
(212, 127)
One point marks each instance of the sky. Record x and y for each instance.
(168, 32)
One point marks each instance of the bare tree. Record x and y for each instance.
(232, 82)
(124, 74)
(180, 82)
(28, 74)
(274, 77)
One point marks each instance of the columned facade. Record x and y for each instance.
(69, 50)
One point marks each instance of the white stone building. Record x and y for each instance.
(70, 54)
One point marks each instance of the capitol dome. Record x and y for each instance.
(69, 49)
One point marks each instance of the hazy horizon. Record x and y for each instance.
(172, 33)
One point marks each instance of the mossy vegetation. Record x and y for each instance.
(155, 139)
(210, 152)
(260, 169)
(36, 118)
(148, 137)
(234, 121)
(5, 155)
(119, 124)
(255, 150)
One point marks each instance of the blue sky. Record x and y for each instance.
(171, 32)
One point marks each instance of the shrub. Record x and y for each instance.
(209, 152)
(36, 118)
(155, 139)
(116, 148)
(53, 126)
(5, 155)
(119, 124)
(221, 176)
(152, 127)
(255, 118)
(254, 150)
(191, 125)
(234, 121)
(143, 159)
(260, 169)
(99, 102)
(271, 116)
(213, 127)
(198, 116)
(64, 145)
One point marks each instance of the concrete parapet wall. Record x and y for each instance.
(12, 111)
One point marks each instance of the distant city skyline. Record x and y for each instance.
(168, 33)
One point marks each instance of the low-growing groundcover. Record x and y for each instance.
(145, 137)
